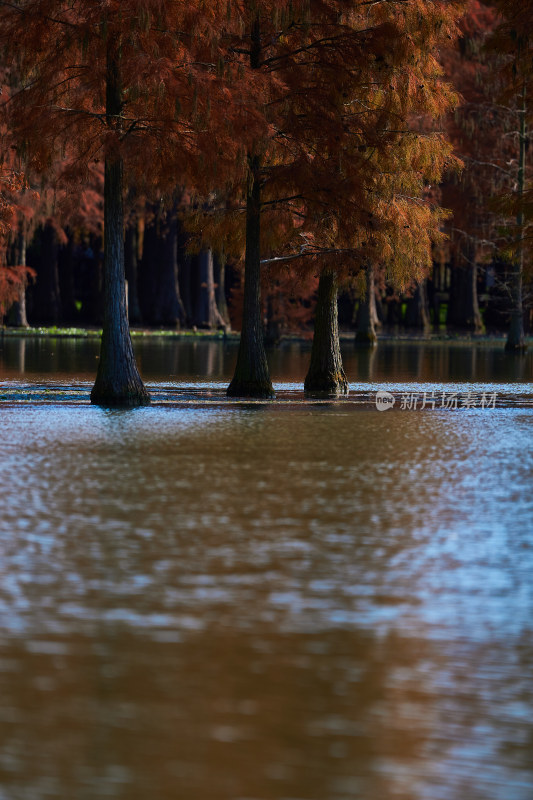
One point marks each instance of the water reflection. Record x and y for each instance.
(194, 360)
(270, 600)
(220, 603)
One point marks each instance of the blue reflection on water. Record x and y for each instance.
(281, 525)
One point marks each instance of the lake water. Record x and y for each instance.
(289, 600)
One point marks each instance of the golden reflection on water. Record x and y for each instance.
(193, 360)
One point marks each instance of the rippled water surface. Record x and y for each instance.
(262, 601)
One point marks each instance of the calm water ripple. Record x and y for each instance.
(235, 601)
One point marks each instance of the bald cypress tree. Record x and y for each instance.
(338, 175)
(130, 83)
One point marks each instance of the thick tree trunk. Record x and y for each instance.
(251, 377)
(118, 382)
(365, 335)
(326, 374)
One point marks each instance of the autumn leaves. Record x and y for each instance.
(304, 129)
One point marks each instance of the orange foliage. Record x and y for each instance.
(12, 281)
(344, 159)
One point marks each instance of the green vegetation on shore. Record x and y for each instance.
(95, 333)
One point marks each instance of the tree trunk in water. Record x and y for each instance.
(326, 374)
(516, 342)
(18, 311)
(365, 335)
(118, 382)
(251, 377)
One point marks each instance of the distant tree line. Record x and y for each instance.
(170, 287)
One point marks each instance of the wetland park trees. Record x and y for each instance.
(491, 68)
(123, 82)
(307, 124)
(337, 175)
(513, 41)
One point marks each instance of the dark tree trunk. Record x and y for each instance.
(147, 273)
(66, 280)
(90, 281)
(463, 307)
(417, 309)
(118, 382)
(273, 321)
(18, 311)
(185, 275)
(394, 310)
(45, 293)
(326, 374)
(365, 335)
(516, 342)
(168, 307)
(131, 262)
(252, 377)
(185, 279)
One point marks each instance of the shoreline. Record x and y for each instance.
(437, 338)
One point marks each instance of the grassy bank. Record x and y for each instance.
(439, 337)
(95, 333)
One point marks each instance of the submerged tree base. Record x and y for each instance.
(515, 347)
(330, 384)
(261, 390)
(325, 377)
(516, 342)
(365, 339)
(111, 396)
